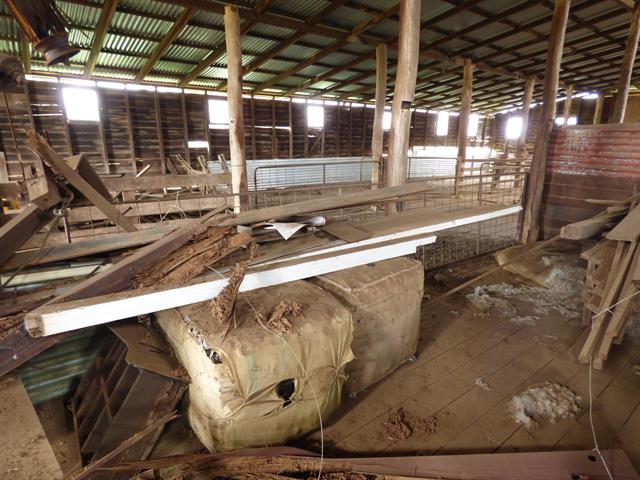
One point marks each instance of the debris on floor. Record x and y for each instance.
(281, 316)
(401, 424)
(545, 401)
(482, 383)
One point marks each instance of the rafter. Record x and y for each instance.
(215, 54)
(186, 15)
(356, 32)
(108, 10)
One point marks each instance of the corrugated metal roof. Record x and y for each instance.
(139, 25)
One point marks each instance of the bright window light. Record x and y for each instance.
(442, 124)
(386, 120)
(218, 112)
(472, 129)
(514, 127)
(81, 104)
(571, 121)
(198, 144)
(315, 116)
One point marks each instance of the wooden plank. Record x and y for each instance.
(42, 148)
(81, 165)
(589, 227)
(159, 182)
(628, 229)
(25, 452)
(620, 314)
(328, 203)
(104, 20)
(143, 208)
(52, 319)
(17, 231)
(87, 248)
(345, 231)
(612, 290)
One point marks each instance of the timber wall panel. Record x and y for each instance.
(347, 129)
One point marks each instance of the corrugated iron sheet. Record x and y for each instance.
(601, 161)
(56, 372)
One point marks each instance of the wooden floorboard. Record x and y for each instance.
(458, 345)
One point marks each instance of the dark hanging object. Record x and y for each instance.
(11, 73)
(45, 26)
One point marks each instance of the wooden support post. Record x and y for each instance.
(130, 138)
(626, 69)
(185, 127)
(377, 137)
(521, 147)
(531, 225)
(463, 119)
(404, 92)
(207, 130)
(597, 115)
(274, 136)
(290, 128)
(236, 123)
(253, 128)
(566, 112)
(156, 107)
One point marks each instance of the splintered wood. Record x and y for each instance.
(190, 261)
(222, 306)
(613, 275)
(281, 316)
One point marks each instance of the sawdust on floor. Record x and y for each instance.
(545, 401)
(401, 424)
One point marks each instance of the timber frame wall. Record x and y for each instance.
(149, 126)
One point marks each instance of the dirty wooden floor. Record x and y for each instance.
(457, 346)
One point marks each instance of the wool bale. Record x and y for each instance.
(258, 387)
(385, 300)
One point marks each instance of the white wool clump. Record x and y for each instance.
(526, 321)
(546, 401)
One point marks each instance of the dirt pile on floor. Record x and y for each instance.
(545, 401)
(401, 424)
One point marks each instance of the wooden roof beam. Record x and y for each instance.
(108, 10)
(215, 54)
(186, 15)
(356, 32)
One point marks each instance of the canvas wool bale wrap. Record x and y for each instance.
(249, 389)
(384, 299)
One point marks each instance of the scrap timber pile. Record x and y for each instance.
(613, 274)
(50, 289)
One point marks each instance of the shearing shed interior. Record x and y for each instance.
(319, 239)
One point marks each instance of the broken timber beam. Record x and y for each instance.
(39, 145)
(19, 229)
